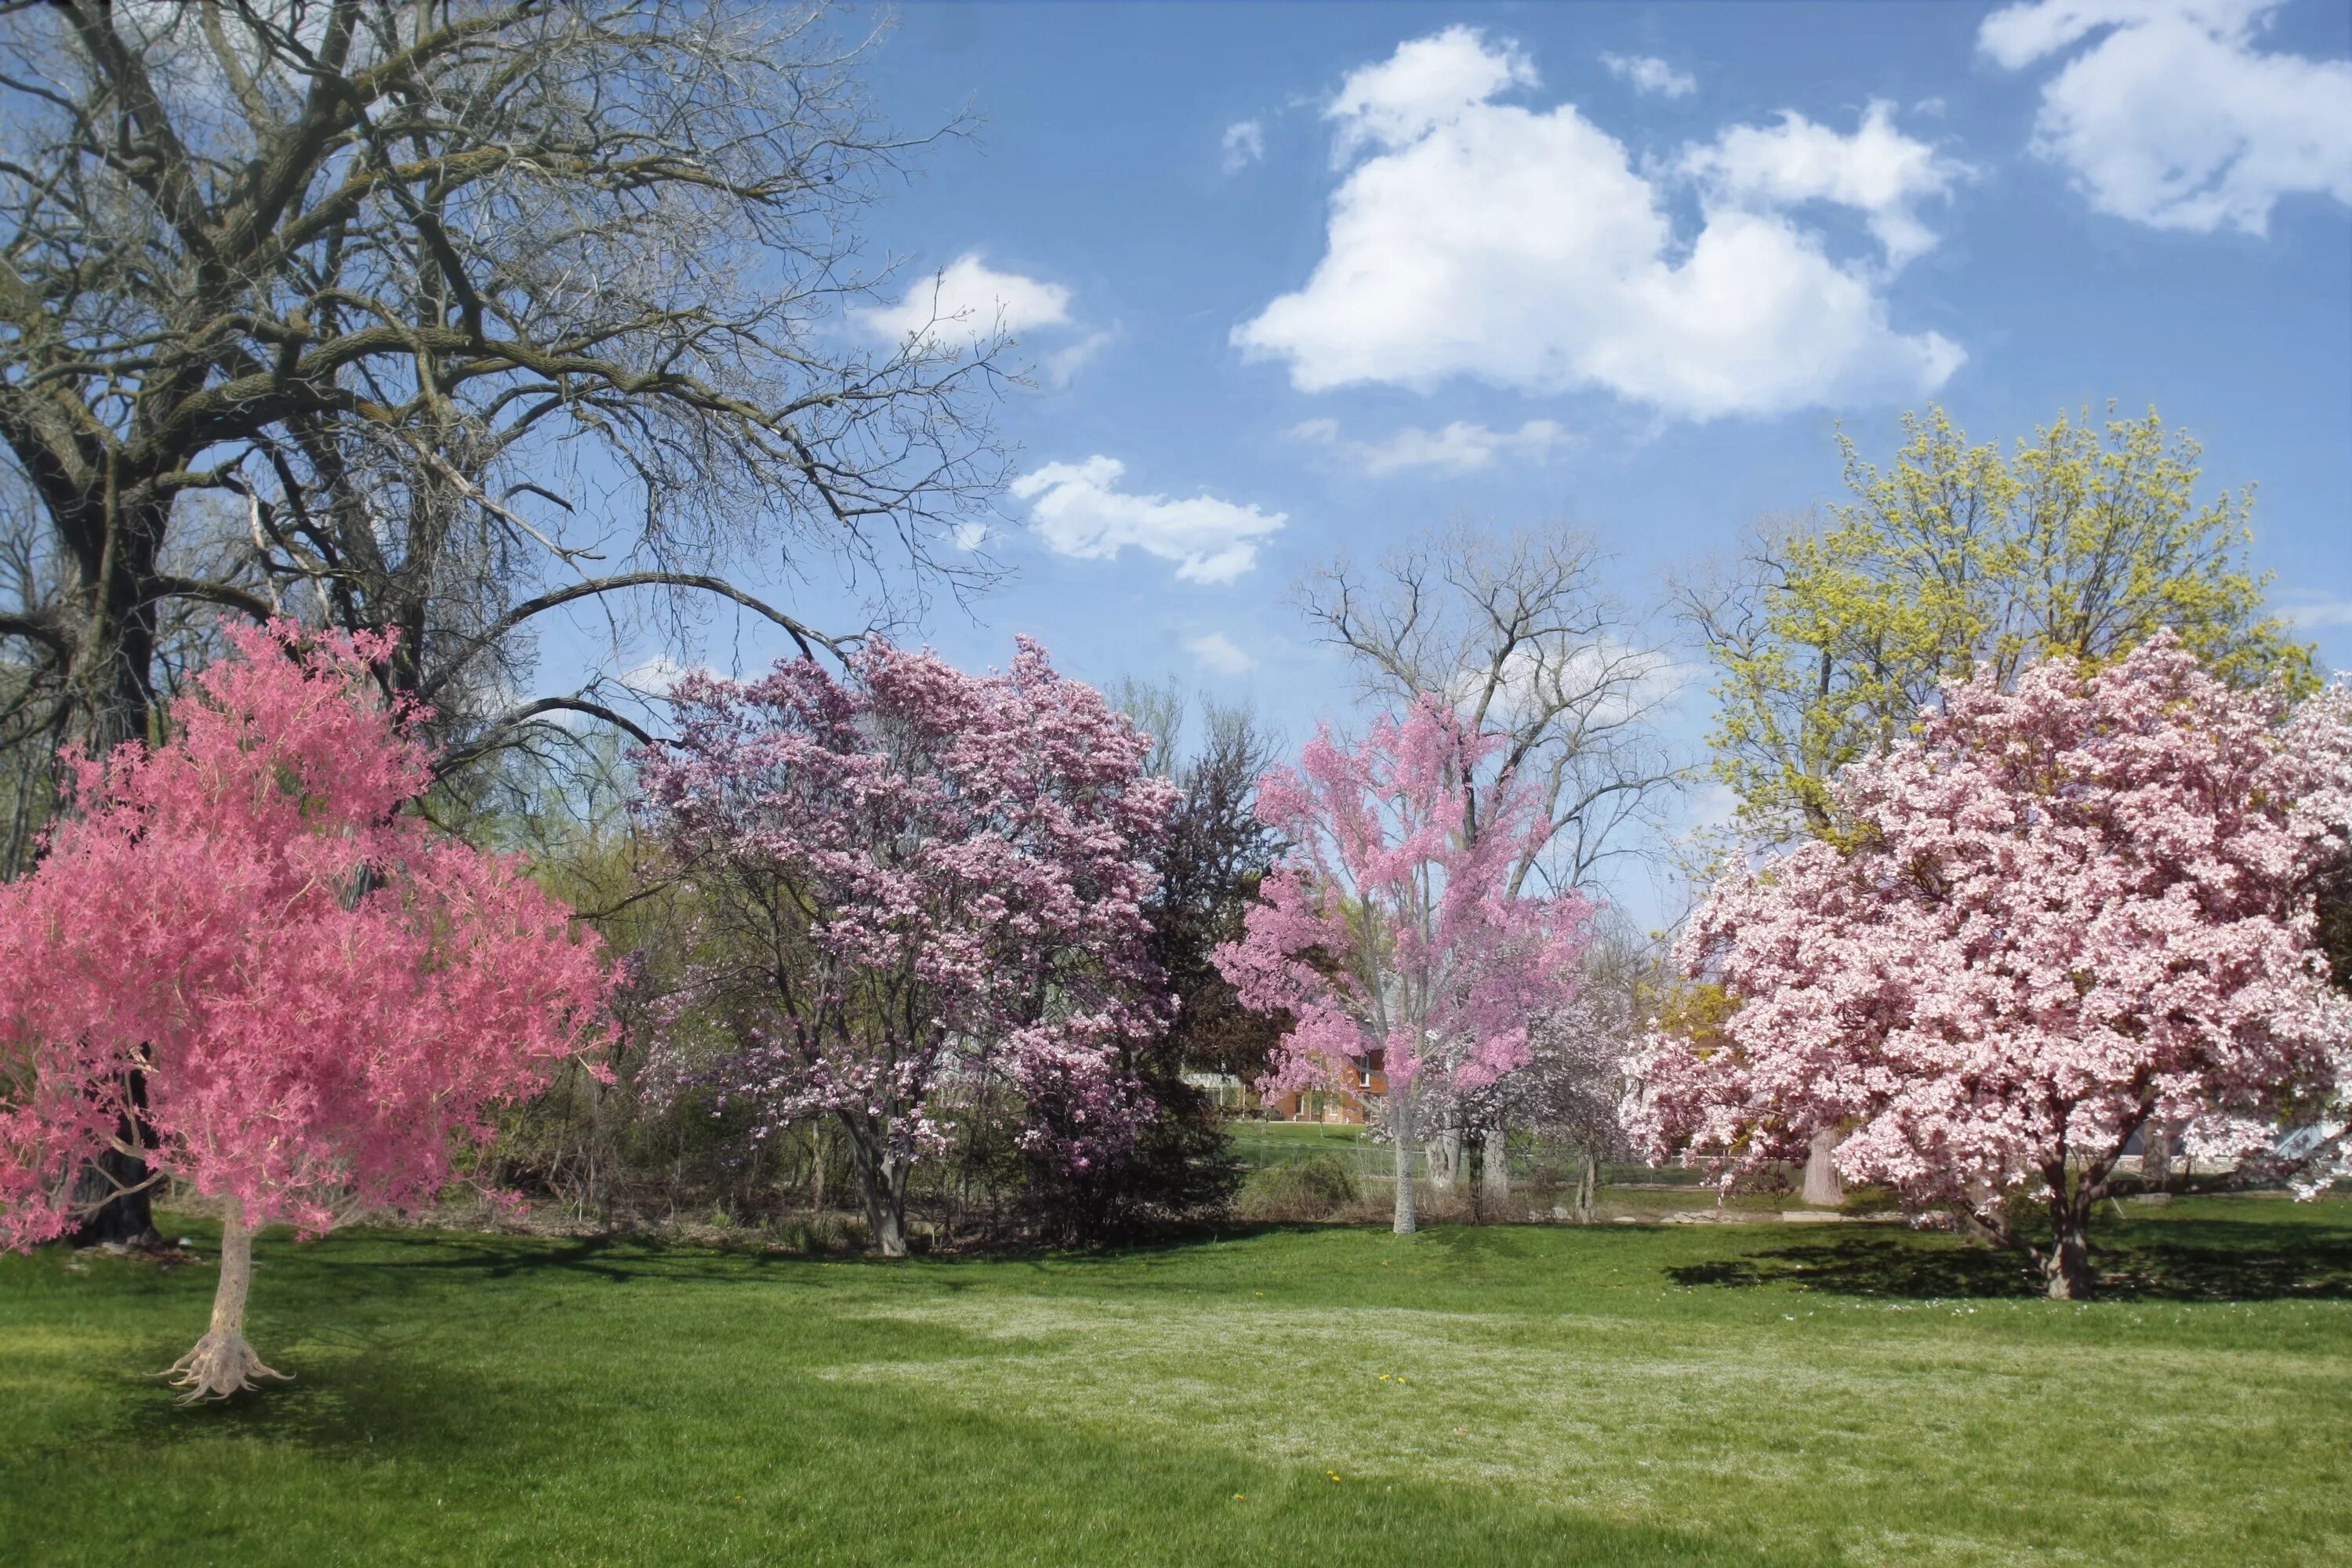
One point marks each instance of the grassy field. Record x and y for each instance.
(1751, 1395)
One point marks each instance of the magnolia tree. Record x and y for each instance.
(2061, 912)
(1390, 937)
(2318, 745)
(918, 883)
(242, 958)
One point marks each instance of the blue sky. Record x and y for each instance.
(1301, 279)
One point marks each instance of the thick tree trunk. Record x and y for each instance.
(1587, 1189)
(1401, 1141)
(113, 674)
(116, 1191)
(1495, 1167)
(222, 1364)
(2155, 1156)
(2067, 1266)
(1823, 1188)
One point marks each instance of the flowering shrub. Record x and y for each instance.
(918, 886)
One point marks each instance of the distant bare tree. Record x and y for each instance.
(1518, 633)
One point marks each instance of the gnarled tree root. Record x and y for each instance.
(219, 1365)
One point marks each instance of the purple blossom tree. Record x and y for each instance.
(1390, 929)
(2061, 912)
(917, 885)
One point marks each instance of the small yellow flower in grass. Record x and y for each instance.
(1237, 1497)
(1333, 1474)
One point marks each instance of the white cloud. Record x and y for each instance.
(1610, 681)
(2172, 118)
(655, 677)
(1460, 448)
(1244, 145)
(969, 536)
(1427, 83)
(2323, 612)
(1077, 510)
(1878, 171)
(1521, 246)
(1647, 73)
(1065, 362)
(970, 300)
(1219, 654)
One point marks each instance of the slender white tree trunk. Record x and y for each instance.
(222, 1364)
(1495, 1167)
(1823, 1188)
(1401, 1141)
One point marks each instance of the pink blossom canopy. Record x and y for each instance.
(1392, 930)
(2062, 912)
(958, 865)
(320, 991)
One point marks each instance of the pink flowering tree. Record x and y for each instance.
(917, 885)
(2059, 913)
(242, 952)
(2318, 745)
(1390, 935)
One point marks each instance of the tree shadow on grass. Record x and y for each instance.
(2234, 1260)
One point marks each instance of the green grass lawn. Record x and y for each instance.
(1620, 1394)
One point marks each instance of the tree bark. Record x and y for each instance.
(1401, 1141)
(882, 1184)
(2067, 1266)
(1823, 1188)
(1445, 1158)
(2155, 1156)
(1495, 1167)
(1587, 1189)
(222, 1364)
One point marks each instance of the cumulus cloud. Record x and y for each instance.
(1877, 172)
(1079, 510)
(1648, 73)
(1522, 247)
(969, 536)
(969, 300)
(1460, 448)
(2173, 118)
(1219, 654)
(1427, 83)
(1244, 145)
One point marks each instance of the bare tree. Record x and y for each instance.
(469, 310)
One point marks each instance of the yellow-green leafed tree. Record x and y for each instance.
(1833, 632)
